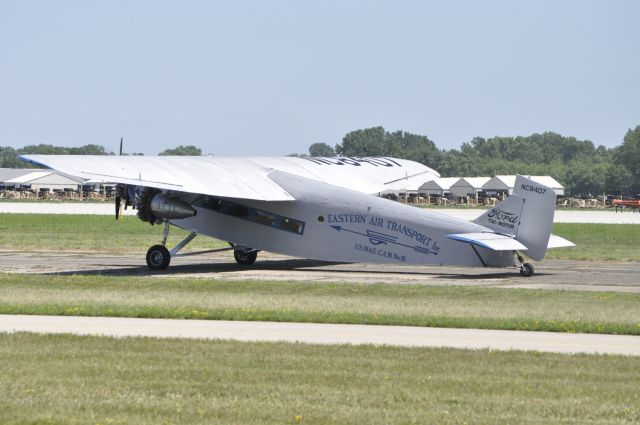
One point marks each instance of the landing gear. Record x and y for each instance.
(158, 257)
(526, 269)
(245, 257)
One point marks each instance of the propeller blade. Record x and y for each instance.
(121, 146)
(122, 199)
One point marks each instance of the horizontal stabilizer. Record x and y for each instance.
(558, 242)
(491, 241)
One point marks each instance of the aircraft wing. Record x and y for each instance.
(233, 177)
(183, 174)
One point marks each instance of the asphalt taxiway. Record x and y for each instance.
(550, 274)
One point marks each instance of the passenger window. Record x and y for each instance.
(251, 214)
(265, 218)
(238, 210)
(292, 225)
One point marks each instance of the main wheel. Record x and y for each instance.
(526, 270)
(158, 257)
(244, 257)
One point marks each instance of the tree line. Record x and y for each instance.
(578, 164)
(9, 156)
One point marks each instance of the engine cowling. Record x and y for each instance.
(170, 208)
(156, 207)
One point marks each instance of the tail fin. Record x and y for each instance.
(527, 215)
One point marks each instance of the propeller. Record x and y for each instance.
(119, 191)
(118, 202)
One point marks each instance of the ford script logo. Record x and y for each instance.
(499, 215)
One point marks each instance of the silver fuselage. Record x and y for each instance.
(329, 223)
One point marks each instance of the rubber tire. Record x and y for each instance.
(158, 257)
(244, 257)
(527, 270)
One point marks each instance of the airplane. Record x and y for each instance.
(317, 208)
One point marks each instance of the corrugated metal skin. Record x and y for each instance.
(234, 177)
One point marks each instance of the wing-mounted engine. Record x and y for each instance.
(144, 205)
(155, 207)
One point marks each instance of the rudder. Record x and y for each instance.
(527, 215)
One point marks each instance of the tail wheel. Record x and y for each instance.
(158, 257)
(526, 270)
(245, 257)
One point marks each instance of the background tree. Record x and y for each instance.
(88, 150)
(9, 158)
(43, 149)
(628, 155)
(402, 144)
(321, 149)
(617, 180)
(376, 141)
(577, 164)
(181, 150)
(366, 142)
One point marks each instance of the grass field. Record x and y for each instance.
(617, 242)
(97, 380)
(54, 379)
(412, 305)
(33, 232)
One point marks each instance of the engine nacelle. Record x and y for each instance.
(170, 208)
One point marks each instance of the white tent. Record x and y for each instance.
(44, 180)
(468, 186)
(439, 186)
(11, 173)
(505, 184)
(408, 185)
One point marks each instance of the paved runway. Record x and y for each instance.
(313, 333)
(569, 275)
(562, 216)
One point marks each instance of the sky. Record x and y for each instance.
(273, 77)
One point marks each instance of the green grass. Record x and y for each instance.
(31, 232)
(58, 379)
(617, 242)
(50, 232)
(411, 305)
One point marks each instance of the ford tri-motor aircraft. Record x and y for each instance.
(317, 208)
